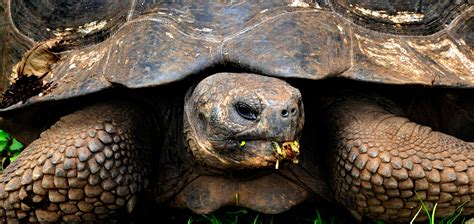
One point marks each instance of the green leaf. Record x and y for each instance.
(3, 145)
(14, 157)
(4, 139)
(4, 136)
(16, 146)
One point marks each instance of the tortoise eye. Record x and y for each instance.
(246, 111)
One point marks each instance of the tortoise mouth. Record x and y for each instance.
(256, 153)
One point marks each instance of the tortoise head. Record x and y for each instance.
(243, 121)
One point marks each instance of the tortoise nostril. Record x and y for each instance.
(293, 111)
(284, 113)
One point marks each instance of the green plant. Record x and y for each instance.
(318, 219)
(304, 214)
(431, 215)
(227, 217)
(10, 148)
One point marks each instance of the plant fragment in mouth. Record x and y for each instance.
(287, 150)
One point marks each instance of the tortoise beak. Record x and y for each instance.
(261, 153)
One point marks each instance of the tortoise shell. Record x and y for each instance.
(139, 44)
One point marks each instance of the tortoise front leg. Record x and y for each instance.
(86, 167)
(383, 164)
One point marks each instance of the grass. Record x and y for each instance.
(432, 214)
(310, 214)
(242, 216)
(247, 216)
(306, 213)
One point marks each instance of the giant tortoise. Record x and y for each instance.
(200, 105)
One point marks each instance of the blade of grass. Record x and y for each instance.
(433, 214)
(240, 211)
(455, 214)
(424, 206)
(451, 220)
(318, 219)
(416, 215)
(212, 219)
(236, 220)
(255, 220)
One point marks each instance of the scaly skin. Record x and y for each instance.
(86, 167)
(92, 163)
(381, 159)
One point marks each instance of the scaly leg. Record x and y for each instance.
(383, 164)
(86, 167)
